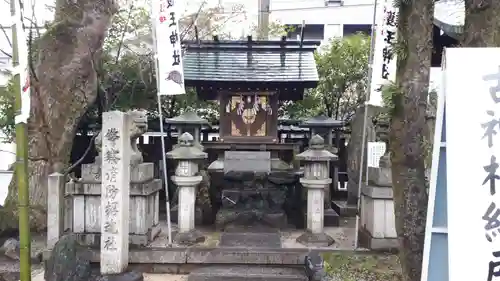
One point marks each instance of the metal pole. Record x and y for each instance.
(363, 139)
(162, 133)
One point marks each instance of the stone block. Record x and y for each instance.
(127, 276)
(254, 240)
(189, 238)
(366, 240)
(380, 176)
(91, 172)
(142, 172)
(247, 273)
(377, 215)
(55, 208)
(247, 161)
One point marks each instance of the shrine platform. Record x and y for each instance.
(158, 257)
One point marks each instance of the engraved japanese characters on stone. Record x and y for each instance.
(110, 243)
(111, 175)
(112, 156)
(112, 135)
(111, 209)
(112, 191)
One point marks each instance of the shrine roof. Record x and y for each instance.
(322, 121)
(241, 63)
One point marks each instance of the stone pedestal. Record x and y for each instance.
(143, 205)
(378, 223)
(315, 180)
(187, 179)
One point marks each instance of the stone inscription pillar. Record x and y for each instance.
(115, 190)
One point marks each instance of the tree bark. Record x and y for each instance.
(482, 24)
(64, 85)
(407, 130)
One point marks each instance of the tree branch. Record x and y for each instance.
(193, 22)
(124, 31)
(6, 36)
(79, 161)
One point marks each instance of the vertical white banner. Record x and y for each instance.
(472, 89)
(22, 68)
(384, 57)
(170, 72)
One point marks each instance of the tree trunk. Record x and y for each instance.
(407, 131)
(482, 23)
(64, 85)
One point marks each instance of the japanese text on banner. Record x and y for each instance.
(170, 73)
(384, 58)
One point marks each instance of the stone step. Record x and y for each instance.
(247, 273)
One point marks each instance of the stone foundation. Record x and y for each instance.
(366, 240)
(378, 218)
(85, 199)
(255, 198)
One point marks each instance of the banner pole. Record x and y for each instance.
(162, 132)
(363, 138)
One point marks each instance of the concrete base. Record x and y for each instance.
(344, 209)
(315, 239)
(94, 239)
(247, 273)
(366, 240)
(189, 238)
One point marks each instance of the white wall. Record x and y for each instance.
(315, 12)
(5, 178)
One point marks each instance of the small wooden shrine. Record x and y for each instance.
(253, 177)
(249, 78)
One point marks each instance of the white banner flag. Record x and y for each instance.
(22, 68)
(384, 57)
(170, 73)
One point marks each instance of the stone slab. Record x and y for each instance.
(344, 209)
(94, 239)
(245, 161)
(380, 176)
(136, 189)
(377, 192)
(254, 240)
(143, 172)
(366, 240)
(250, 273)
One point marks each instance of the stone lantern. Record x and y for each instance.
(191, 123)
(187, 178)
(316, 178)
(325, 127)
(188, 122)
